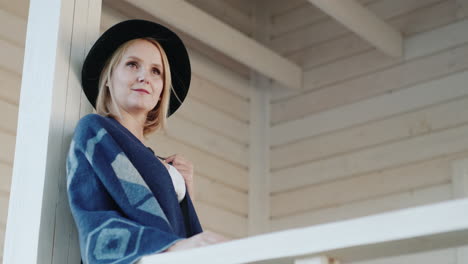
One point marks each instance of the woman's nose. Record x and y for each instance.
(142, 78)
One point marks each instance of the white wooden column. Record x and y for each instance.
(259, 166)
(460, 190)
(40, 228)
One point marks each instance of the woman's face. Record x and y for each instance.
(137, 80)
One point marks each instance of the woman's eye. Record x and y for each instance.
(132, 64)
(156, 71)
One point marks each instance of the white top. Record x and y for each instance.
(178, 182)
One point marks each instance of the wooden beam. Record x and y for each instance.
(223, 38)
(40, 228)
(427, 227)
(364, 23)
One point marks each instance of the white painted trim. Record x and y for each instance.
(224, 38)
(426, 228)
(315, 260)
(40, 228)
(366, 24)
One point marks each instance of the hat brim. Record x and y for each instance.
(122, 32)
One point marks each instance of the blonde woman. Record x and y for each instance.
(126, 201)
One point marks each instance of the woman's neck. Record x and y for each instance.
(133, 123)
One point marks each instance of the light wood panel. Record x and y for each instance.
(211, 94)
(329, 29)
(219, 195)
(219, 220)
(19, 8)
(389, 80)
(375, 108)
(342, 47)
(4, 197)
(12, 28)
(205, 164)
(12, 57)
(371, 159)
(9, 117)
(362, 208)
(372, 60)
(6, 171)
(207, 140)
(217, 121)
(230, 15)
(365, 186)
(7, 141)
(411, 124)
(10, 86)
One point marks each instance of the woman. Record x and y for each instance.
(126, 201)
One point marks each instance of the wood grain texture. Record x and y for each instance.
(371, 159)
(363, 208)
(392, 79)
(366, 186)
(397, 127)
(206, 164)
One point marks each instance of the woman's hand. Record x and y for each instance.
(203, 239)
(185, 167)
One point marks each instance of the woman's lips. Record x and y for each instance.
(141, 90)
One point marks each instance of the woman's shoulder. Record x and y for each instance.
(90, 125)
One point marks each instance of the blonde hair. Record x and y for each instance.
(105, 102)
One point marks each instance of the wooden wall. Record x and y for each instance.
(211, 128)
(368, 133)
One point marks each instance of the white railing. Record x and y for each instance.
(405, 231)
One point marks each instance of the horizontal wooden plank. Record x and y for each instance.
(329, 29)
(365, 186)
(19, 8)
(11, 86)
(375, 108)
(304, 15)
(9, 117)
(4, 198)
(205, 164)
(207, 140)
(372, 60)
(12, 28)
(7, 141)
(216, 219)
(398, 127)
(342, 47)
(12, 57)
(206, 116)
(6, 172)
(211, 94)
(388, 80)
(219, 195)
(223, 11)
(377, 158)
(363, 208)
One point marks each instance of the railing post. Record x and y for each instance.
(460, 190)
(40, 228)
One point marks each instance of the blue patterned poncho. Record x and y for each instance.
(121, 196)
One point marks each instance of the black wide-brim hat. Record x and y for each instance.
(122, 32)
